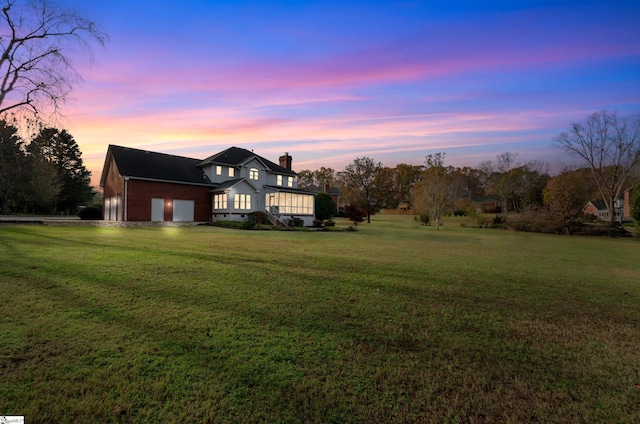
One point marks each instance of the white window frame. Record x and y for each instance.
(291, 203)
(242, 201)
(232, 172)
(218, 170)
(279, 180)
(220, 201)
(290, 181)
(254, 174)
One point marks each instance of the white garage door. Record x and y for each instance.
(183, 210)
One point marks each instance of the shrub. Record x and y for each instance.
(325, 207)
(422, 218)
(260, 218)
(329, 223)
(355, 213)
(296, 222)
(91, 212)
(249, 224)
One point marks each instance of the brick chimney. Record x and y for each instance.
(285, 161)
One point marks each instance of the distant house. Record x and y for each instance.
(140, 185)
(599, 209)
(628, 195)
(479, 203)
(404, 205)
(333, 192)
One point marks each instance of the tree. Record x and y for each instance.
(566, 195)
(60, 149)
(635, 208)
(438, 190)
(499, 181)
(325, 207)
(396, 184)
(305, 178)
(320, 177)
(519, 187)
(12, 164)
(36, 74)
(360, 185)
(610, 146)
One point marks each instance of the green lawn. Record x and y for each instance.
(396, 322)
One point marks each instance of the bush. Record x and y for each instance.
(459, 212)
(325, 208)
(296, 222)
(329, 223)
(355, 213)
(91, 212)
(422, 218)
(249, 224)
(260, 218)
(536, 222)
(498, 222)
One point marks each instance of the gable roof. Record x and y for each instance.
(230, 183)
(598, 204)
(142, 164)
(236, 156)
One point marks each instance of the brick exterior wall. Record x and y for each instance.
(140, 193)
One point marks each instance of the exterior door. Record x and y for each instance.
(157, 209)
(183, 210)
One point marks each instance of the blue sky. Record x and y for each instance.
(332, 81)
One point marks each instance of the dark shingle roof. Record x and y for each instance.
(135, 163)
(234, 156)
(599, 204)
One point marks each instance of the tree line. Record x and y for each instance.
(606, 144)
(44, 174)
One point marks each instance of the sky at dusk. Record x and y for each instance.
(331, 81)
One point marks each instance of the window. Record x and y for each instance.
(218, 170)
(253, 174)
(290, 203)
(290, 181)
(242, 201)
(220, 201)
(279, 180)
(232, 172)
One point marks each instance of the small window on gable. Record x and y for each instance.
(290, 181)
(232, 172)
(253, 174)
(218, 170)
(279, 180)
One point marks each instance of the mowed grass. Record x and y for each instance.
(393, 323)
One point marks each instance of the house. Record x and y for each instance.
(404, 205)
(599, 209)
(148, 186)
(480, 203)
(333, 192)
(628, 196)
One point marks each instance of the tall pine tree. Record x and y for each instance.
(59, 148)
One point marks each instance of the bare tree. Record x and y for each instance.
(437, 190)
(360, 184)
(610, 145)
(36, 38)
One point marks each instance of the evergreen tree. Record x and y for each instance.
(12, 164)
(59, 148)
